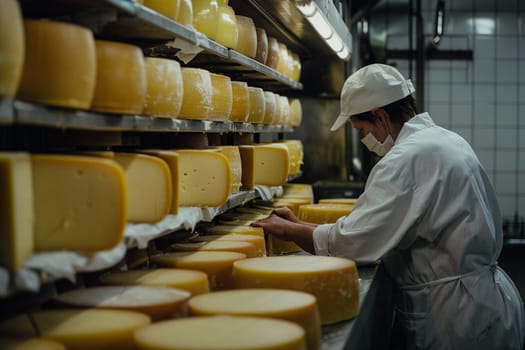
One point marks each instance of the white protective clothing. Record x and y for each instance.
(430, 214)
(376, 146)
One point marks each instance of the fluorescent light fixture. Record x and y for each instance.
(335, 43)
(307, 9)
(344, 53)
(321, 25)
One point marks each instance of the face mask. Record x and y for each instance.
(377, 147)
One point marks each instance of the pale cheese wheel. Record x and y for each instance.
(257, 105)
(195, 282)
(297, 67)
(323, 213)
(257, 241)
(227, 29)
(348, 201)
(295, 150)
(247, 42)
(281, 247)
(265, 164)
(169, 8)
(234, 158)
(274, 52)
(221, 332)
(278, 111)
(282, 66)
(221, 99)
(284, 104)
(121, 78)
(185, 15)
(270, 107)
(241, 102)
(205, 17)
(14, 343)
(333, 281)
(296, 112)
(60, 64)
(290, 64)
(298, 190)
(197, 99)
(80, 329)
(157, 302)
(298, 307)
(164, 91)
(245, 248)
(12, 47)
(79, 202)
(261, 54)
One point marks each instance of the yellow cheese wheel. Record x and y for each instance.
(270, 107)
(333, 281)
(292, 203)
(298, 307)
(265, 164)
(282, 66)
(257, 105)
(185, 15)
(323, 213)
(216, 264)
(80, 329)
(245, 248)
(169, 8)
(12, 47)
(157, 302)
(290, 64)
(222, 98)
(234, 158)
(121, 78)
(274, 51)
(261, 54)
(16, 209)
(278, 112)
(14, 343)
(297, 67)
(241, 230)
(60, 64)
(295, 150)
(221, 332)
(296, 113)
(284, 104)
(247, 43)
(205, 17)
(197, 99)
(164, 87)
(348, 201)
(257, 212)
(257, 241)
(79, 202)
(298, 190)
(195, 282)
(223, 2)
(241, 102)
(227, 30)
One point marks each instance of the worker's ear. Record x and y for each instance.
(382, 118)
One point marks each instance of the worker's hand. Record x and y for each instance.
(275, 225)
(286, 213)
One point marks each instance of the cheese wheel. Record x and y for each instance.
(298, 190)
(284, 104)
(257, 212)
(79, 202)
(247, 42)
(265, 164)
(169, 8)
(333, 281)
(245, 248)
(323, 213)
(12, 47)
(197, 99)
(234, 158)
(257, 241)
(295, 150)
(204, 178)
(60, 64)
(278, 111)
(227, 30)
(195, 282)
(121, 78)
(241, 230)
(216, 264)
(274, 51)
(282, 66)
(221, 100)
(164, 87)
(241, 102)
(221, 332)
(270, 107)
(16, 209)
(297, 67)
(261, 54)
(296, 112)
(289, 64)
(149, 186)
(257, 105)
(223, 2)
(298, 307)
(205, 17)
(80, 329)
(185, 15)
(30, 344)
(348, 201)
(157, 302)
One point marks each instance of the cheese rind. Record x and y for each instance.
(205, 17)
(272, 60)
(296, 112)
(164, 91)
(257, 105)
(257, 241)
(185, 15)
(227, 29)
(221, 97)
(169, 8)
(270, 107)
(323, 213)
(261, 54)
(247, 40)
(240, 102)
(234, 158)
(197, 98)
(265, 164)
(245, 248)
(12, 47)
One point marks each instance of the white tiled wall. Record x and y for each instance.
(483, 99)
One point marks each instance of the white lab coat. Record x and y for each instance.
(430, 214)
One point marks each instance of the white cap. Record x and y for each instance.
(372, 86)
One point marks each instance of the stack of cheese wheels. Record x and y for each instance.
(270, 107)
(227, 30)
(195, 282)
(221, 100)
(261, 54)
(333, 281)
(298, 190)
(222, 332)
(298, 307)
(14, 343)
(347, 201)
(12, 47)
(264, 164)
(257, 241)
(296, 112)
(257, 105)
(247, 43)
(157, 302)
(323, 213)
(60, 64)
(234, 158)
(272, 60)
(121, 78)
(169, 8)
(79, 329)
(240, 102)
(197, 98)
(216, 264)
(295, 149)
(205, 17)
(185, 16)
(164, 87)
(243, 247)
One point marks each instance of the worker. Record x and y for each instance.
(429, 214)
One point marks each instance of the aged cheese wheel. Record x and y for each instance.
(157, 302)
(298, 307)
(333, 281)
(16, 209)
(273, 53)
(298, 190)
(257, 241)
(80, 329)
(348, 201)
(247, 43)
(14, 343)
(296, 112)
(221, 332)
(205, 17)
(185, 15)
(221, 97)
(245, 248)
(261, 54)
(234, 158)
(217, 265)
(227, 29)
(270, 107)
(284, 104)
(297, 67)
(12, 47)
(323, 213)
(240, 102)
(121, 78)
(195, 282)
(241, 230)
(164, 87)
(278, 112)
(79, 202)
(257, 105)
(197, 99)
(60, 64)
(295, 150)
(282, 66)
(169, 8)
(264, 164)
